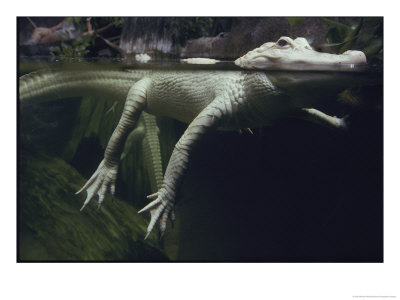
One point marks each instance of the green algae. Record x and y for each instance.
(51, 227)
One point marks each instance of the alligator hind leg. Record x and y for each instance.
(103, 179)
(161, 207)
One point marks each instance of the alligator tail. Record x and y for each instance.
(50, 85)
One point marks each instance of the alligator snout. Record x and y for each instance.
(355, 57)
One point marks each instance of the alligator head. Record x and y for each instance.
(298, 51)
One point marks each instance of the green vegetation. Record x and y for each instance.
(101, 22)
(181, 29)
(78, 48)
(365, 34)
(293, 21)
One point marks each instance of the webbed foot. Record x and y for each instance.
(102, 181)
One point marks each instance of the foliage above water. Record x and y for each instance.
(365, 34)
(293, 21)
(79, 47)
(180, 28)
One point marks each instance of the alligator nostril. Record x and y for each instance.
(356, 56)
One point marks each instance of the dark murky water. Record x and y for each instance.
(293, 191)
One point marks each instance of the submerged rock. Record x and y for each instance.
(51, 227)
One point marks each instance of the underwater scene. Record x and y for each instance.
(183, 139)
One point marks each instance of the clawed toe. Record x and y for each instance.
(150, 206)
(102, 180)
(159, 211)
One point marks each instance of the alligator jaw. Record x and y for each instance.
(298, 51)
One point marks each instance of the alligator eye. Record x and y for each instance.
(282, 43)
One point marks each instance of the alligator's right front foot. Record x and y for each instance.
(102, 180)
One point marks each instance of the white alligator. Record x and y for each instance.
(206, 100)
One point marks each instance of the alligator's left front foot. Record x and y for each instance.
(161, 208)
(101, 182)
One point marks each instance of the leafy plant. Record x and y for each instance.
(75, 49)
(366, 33)
(78, 47)
(341, 37)
(78, 22)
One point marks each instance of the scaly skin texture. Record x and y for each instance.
(204, 99)
(152, 152)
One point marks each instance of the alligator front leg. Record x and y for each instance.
(316, 116)
(163, 201)
(103, 179)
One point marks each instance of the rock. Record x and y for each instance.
(246, 34)
(26, 29)
(314, 30)
(204, 46)
(51, 227)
